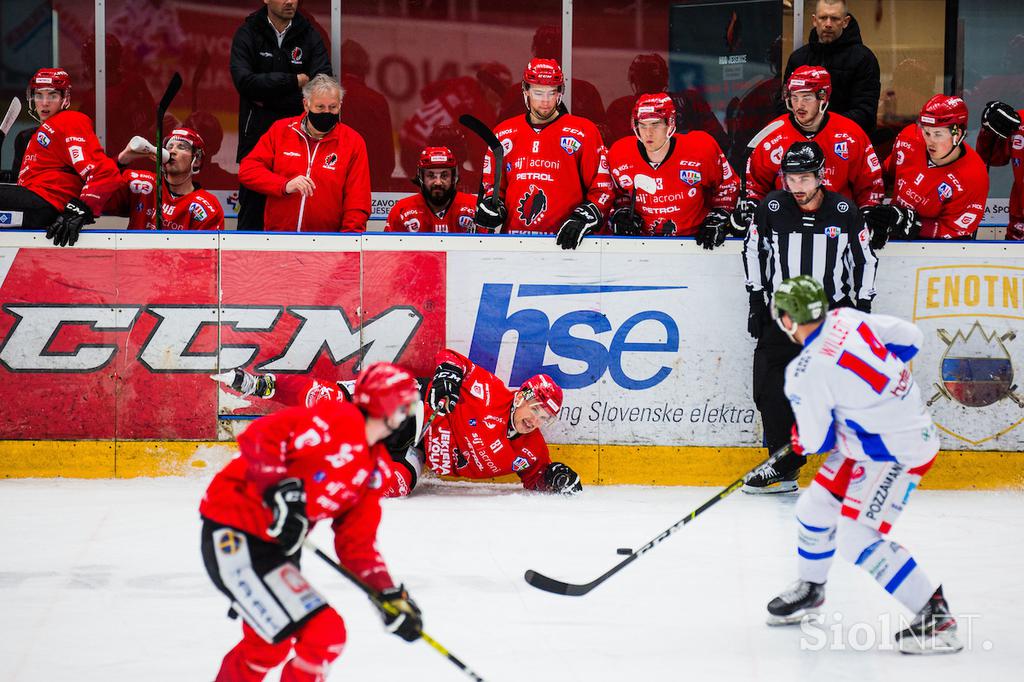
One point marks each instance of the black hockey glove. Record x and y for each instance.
(444, 388)
(400, 613)
(712, 230)
(65, 229)
(559, 478)
(741, 216)
(261, 386)
(287, 499)
(1000, 118)
(879, 220)
(490, 215)
(627, 222)
(864, 305)
(584, 219)
(906, 225)
(758, 316)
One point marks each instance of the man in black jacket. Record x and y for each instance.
(274, 53)
(836, 44)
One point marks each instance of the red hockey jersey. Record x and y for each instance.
(412, 214)
(64, 160)
(694, 178)
(950, 199)
(136, 198)
(549, 171)
(851, 165)
(472, 441)
(324, 446)
(997, 151)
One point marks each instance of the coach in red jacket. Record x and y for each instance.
(312, 168)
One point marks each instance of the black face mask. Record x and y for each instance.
(323, 122)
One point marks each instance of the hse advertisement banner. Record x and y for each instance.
(650, 348)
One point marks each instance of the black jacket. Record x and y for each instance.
(856, 82)
(265, 74)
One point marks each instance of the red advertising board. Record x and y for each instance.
(105, 343)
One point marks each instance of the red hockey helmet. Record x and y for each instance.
(810, 78)
(193, 139)
(436, 157)
(543, 72)
(648, 73)
(542, 389)
(52, 79)
(944, 111)
(382, 389)
(659, 106)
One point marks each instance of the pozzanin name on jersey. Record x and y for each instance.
(582, 336)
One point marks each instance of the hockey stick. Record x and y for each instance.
(165, 103)
(543, 582)
(375, 597)
(491, 140)
(9, 119)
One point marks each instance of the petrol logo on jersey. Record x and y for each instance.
(690, 177)
(613, 328)
(570, 144)
(842, 150)
(532, 206)
(945, 191)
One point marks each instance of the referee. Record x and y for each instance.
(802, 229)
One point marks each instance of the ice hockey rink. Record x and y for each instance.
(102, 580)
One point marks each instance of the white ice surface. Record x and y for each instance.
(102, 580)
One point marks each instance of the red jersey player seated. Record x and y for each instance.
(440, 206)
(940, 183)
(669, 184)
(1001, 141)
(851, 165)
(297, 467)
(185, 206)
(65, 177)
(484, 429)
(555, 178)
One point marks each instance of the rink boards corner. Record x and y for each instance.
(106, 348)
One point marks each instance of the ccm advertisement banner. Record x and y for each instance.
(116, 337)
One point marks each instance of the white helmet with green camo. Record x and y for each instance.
(803, 299)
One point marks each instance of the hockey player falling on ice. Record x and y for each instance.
(853, 396)
(484, 429)
(681, 182)
(297, 467)
(185, 205)
(941, 184)
(508, 422)
(555, 178)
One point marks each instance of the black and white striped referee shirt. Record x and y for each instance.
(830, 244)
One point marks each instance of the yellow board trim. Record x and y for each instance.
(596, 464)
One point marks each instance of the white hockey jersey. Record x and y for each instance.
(851, 389)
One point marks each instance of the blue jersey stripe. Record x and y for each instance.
(900, 576)
(872, 443)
